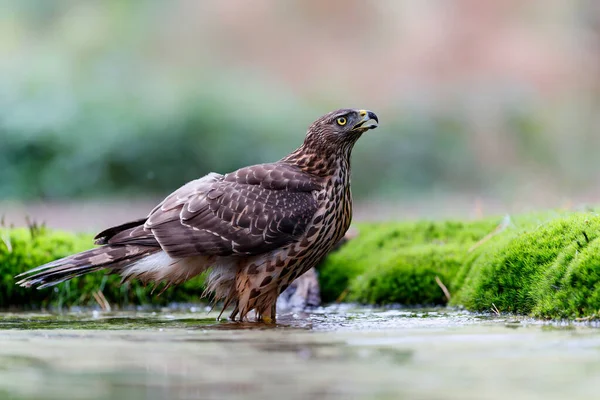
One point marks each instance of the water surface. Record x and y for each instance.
(340, 353)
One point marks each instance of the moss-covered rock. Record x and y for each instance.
(541, 264)
(408, 276)
(550, 269)
(398, 262)
(23, 249)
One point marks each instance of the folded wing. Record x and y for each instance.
(251, 211)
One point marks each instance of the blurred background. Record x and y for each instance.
(485, 107)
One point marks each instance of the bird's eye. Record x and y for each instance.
(341, 121)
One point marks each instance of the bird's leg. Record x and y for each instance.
(274, 311)
(267, 312)
(235, 311)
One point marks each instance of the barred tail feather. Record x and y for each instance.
(112, 257)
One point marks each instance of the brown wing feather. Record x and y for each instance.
(104, 236)
(136, 233)
(251, 211)
(131, 233)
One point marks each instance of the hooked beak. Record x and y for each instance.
(368, 121)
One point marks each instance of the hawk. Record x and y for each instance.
(256, 229)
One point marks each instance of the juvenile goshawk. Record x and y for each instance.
(256, 229)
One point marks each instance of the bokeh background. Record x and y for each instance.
(485, 106)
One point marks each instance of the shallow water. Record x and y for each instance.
(340, 353)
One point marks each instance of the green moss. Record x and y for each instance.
(23, 249)
(408, 276)
(572, 287)
(550, 269)
(377, 266)
(541, 264)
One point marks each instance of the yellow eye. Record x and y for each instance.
(341, 121)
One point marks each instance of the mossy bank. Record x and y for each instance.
(22, 249)
(544, 265)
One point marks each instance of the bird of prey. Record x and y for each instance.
(256, 229)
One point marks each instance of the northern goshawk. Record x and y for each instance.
(256, 229)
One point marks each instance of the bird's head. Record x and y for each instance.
(330, 140)
(339, 130)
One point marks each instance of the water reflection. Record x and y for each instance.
(331, 353)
